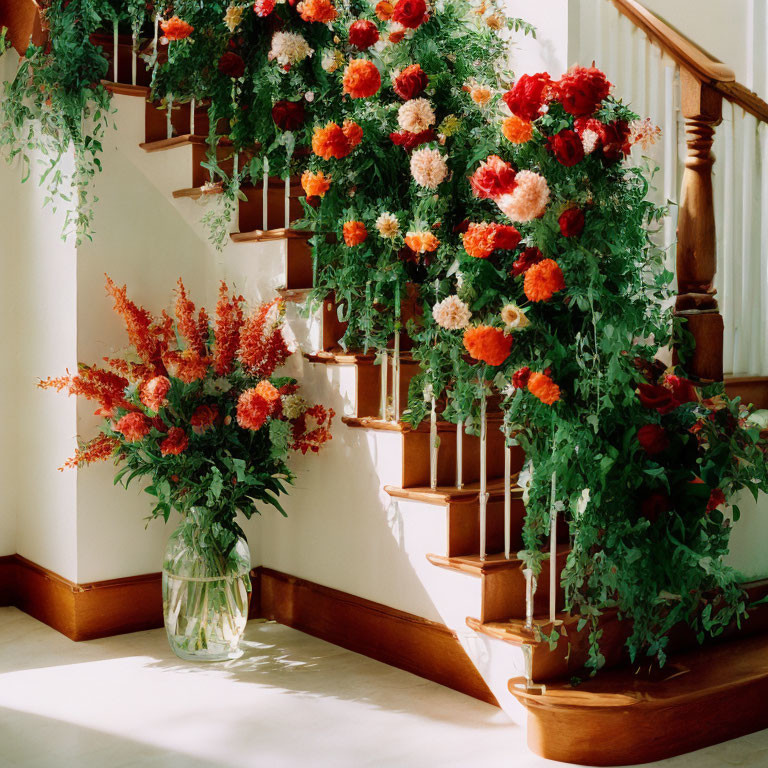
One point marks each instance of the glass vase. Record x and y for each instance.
(206, 590)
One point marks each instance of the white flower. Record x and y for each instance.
(589, 139)
(581, 504)
(416, 115)
(294, 406)
(451, 313)
(331, 60)
(428, 167)
(289, 48)
(309, 96)
(387, 225)
(513, 317)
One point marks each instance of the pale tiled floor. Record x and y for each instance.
(292, 700)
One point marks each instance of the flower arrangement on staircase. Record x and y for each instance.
(197, 408)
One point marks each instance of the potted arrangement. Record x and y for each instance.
(195, 408)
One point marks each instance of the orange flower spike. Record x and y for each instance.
(262, 344)
(226, 330)
(542, 387)
(100, 448)
(185, 319)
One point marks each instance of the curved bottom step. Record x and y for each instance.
(697, 699)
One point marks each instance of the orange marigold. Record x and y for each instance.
(516, 130)
(422, 242)
(255, 405)
(226, 330)
(543, 280)
(176, 28)
(330, 141)
(317, 10)
(353, 132)
(384, 10)
(541, 386)
(488, 344)
(315, 184)
(134, 426)
(100, 448)
(154, 391)
(175, 442)
(361, 79)
(479, 240)
(354, 233)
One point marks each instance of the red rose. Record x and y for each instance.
(176, 442)
(520, 377)
(493, 178)
(571, 222)
(410, 82)
(716, 498)
(526, 260)
(581, 89)
(288, 115)
(654, 505)
(528, 95)
(653, 439)
(683, 390)
(410, 13)
(409, 140)
(567, 148)
(231, 64)
(363, 34)
(656, 397)
(505, 237)
(615, 141)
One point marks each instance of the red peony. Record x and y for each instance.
(581, 89)
(288, 115)
(154, 392)
(520, 377)
(410, 13)
(571, 222)
(133, 426)
(657, 397)
(567, 148)
(716, 499)
(264, 7)
(203, 417)
(683, 390)
(409, 140)
(526, 260)
(175, 443)
(411, 82)
(528, 95)
(615, 141)
(653, 438)
(654, 505)
(505, 237)
(493, 178)
(488, 344)
(231, 64)
(363, 34)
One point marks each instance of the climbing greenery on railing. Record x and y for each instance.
(504, 225)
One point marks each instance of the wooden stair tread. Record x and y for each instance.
(296, 295)
(340, 356)
(195, 193)
(514, 630)
(126, 89)
(268, 235)
(452, 495)
(476, 566)
(374, 422)
(184, 140)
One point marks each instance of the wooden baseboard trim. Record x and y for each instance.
(425, 648)
(104, 608)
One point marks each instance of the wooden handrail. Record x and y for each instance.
(691, 57)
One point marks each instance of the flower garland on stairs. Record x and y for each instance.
(504, 225)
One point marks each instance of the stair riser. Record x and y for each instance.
(251, 210)
(464, 527)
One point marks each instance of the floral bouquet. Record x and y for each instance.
(196, 408)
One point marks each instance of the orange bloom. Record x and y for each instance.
(541, 386)
(255, 405)
(396, 35)
(176, 29)
(154, 391)
(134, 426)
(317, 10)
(226, 330)
(478, 240)
(543, 280)
(422, 242)
(516, 130)
(100, 448)
(188, 366)
(315, 184)
(361, 79)
(195, 332)
(354, 233)
(175, 442)
(384, 10)
(203, 416)
(488, 344)
(334, 141)
(104, 387)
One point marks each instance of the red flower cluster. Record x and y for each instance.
(175, 28)
(411, 82)
(312, 429)
(493, 178)
(571, 222)
(231, 64)
(363, 34)
(529, 94)
(409, 140)
(520, 377)
(154, 391)
(203, 417)
(134, 426)
(526, 260)
(653, 439)
(288, 115)
(481, 240)
(264, 7)
(488, 344)
(612, 139)
(581, 89)
(410, 13)
(567, 148)
(664, 398)
(175, 442)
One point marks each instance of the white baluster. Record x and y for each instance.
(115, 45)
(483, 472)
(727, 256)
(384, 386)
(192, 115)
(749, 263)
(434, 442)
(670, 160)
(134, 43)
(762, 362)
(553, 577)
(530, 591)
(396, 378)
(265, 197)
(507, 500)
(168, 117)
(287, 201)
(460, 453)
(154, 41)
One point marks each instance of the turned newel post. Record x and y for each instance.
(696, 256)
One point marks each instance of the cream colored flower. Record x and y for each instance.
(294, 406)
(332, 60)
(589, 140)
(428, 167)
(387, 225)
(495, 20)
(529, 199)
(451, 313)
(233, 17)
(289, 48)
(513, 317)
(480, 94)
(416, 115)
